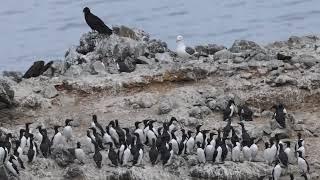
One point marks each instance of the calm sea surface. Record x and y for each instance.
(35, 29)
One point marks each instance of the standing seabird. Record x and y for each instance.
(190, 143)
(113, 133)
(7, 142)
(230, 110)
(246, 140)
(303, 164)
(89, 143)
(97, 137)
(283, 157)
(182, 143)
(12, 167)
(280, 115)
(126, 154)
(276, 171)
(174, 142)
(32, 153)
(200, 154)
(97, 157)
(245, 113)
(253, 149)
(199, 135)
(45, 143)
(120, 131)
(171, 124)
(153, 153)
(140, 132)
(79, 153)
(182, 50)
(67, 130)
(266, 154)
(209, 149)
(95, 22)
(96, 124)
(57, 139)
(236, 152)
(112, 155)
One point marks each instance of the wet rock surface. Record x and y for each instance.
(160, 85)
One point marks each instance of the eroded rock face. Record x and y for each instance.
(6, 94)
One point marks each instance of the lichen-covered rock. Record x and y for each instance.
(244, 45)
(285, 79)
(50, 92)
(6, 94)
(230, 171)
(165, 105)
(157, 46)
(74, 172)
(62, 156)
(14, 75)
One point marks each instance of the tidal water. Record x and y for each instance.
(35, 29)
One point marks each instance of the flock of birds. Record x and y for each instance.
(127, 147)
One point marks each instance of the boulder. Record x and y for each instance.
(74, 172)
(165, 105)
(240, 46)
(14, 75)
(284, 80)
(50, 92)
(157, 46)
(87, 42)
(62, 156)
(307, 60)
(99, 67)
(230, 170)
(6, 94)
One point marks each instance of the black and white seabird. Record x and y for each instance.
(113, 132)
(276, 171)
(57, 139)
(226, 130)
(129, 137)
(266, 154)
(89, 143)
(97, 137)
(107, 138)
(140, 132)
(199, 135)
(67, 130)
(120, 131)
(200, 153)
(182, 143)
(95, 22)
(303, 164)
(283, 157)
(12, 167)
(32, 152)
(96, 124)
(7, 142)
(182, 50)
(174, 142)
(245, 113)
(79, 153)
(280, 115)
(234, 137)
(230, 110)
(3, 153)
(190, 143)
(153, 153)
(38, 136)
(209, 149)
(246, 140)
(45, 144)
(112, 155)
(171, 124)
(150, 134)
(126, 154)
(236, 152)
(97, 157)
(253, 149)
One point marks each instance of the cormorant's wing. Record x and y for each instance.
(190, 50)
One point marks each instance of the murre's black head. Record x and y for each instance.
(198, 127)
(111, 124)
(56, 127)
(110, 144)
(266, 145)
(205, 131)
(299, 143)
(280, 145)
(9, 135)
(39, 127)
(94, 118)
(198, 144)
(136, 124)
(126, 129)
(86, 10)
(212, 134)
(183, 131)
(68, 121)
(78, 145)
(291, 177)
(173, 119)
(145, 122)
(299, 135)
(116, 122)
(288, 143)
(231, 101)
(299, 153)
(189, 133)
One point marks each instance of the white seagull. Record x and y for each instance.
(182, 50)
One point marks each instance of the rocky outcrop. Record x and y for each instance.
(130, 77)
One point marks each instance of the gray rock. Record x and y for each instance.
(32, 101)
(231, 170)
(14, 75)
(282, 133)
(99, 67)
(196, 112)
(307, 60)
(243, 46)
(209, 49)
(157, 46)
(223, 54)
(62, 156)
(6, 94)
(285, 79)
(238, 59)
(212, 104)
(164, 57)
(74, 172)
(50, 92)
(87, 42)
(165, 105)
(74, 71)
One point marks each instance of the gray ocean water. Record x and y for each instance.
(36, 29)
